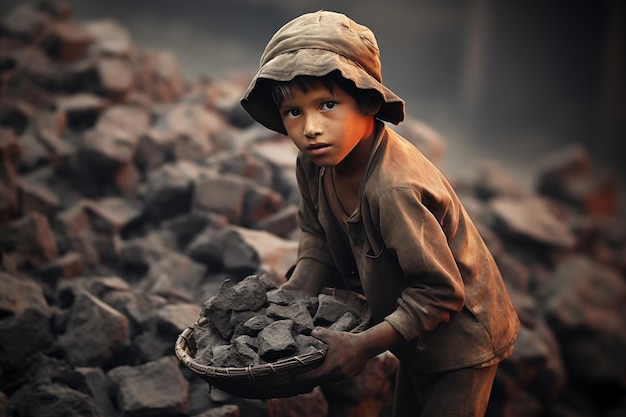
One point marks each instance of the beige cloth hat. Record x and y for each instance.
(316, 44)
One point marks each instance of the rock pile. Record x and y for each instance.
(128, 195)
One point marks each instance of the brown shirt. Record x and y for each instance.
(421, 263)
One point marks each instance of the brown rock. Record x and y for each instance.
(65, 267)
(26, 21)
(32, 239)
(311, 404)
(110, 38)
(232, 191)
(534, 219)
(228, 410)
(112, 214)
(82, 109)
(38, 197)
(18, 295)
(107, 150)
(115, 76)
(430, 142)
(68, 41)
(158, 76)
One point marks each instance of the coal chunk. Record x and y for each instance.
(276, 341)
(297, 312)
(251, 294)
(330, 310)
(345, 323)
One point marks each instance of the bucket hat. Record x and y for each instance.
(317, 44)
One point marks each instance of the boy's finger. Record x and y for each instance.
(320, 333)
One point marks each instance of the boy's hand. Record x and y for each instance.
(345, 357)
(348, 353)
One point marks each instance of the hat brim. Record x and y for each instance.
(258, 101)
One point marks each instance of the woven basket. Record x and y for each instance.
(270, 380)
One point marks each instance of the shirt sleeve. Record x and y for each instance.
(419, 231)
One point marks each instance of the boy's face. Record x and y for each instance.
(325, 125)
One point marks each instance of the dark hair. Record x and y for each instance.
(282, 90)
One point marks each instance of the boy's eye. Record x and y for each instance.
(329, 105)
(291, 113)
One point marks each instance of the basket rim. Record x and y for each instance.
(249, 372)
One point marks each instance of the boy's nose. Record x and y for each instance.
(312, 127)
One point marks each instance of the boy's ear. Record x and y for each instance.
(371, 103)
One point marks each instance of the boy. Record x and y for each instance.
(378, 218)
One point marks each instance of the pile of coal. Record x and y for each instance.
(252, 322)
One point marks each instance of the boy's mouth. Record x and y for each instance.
(317, 148)
(318, 145)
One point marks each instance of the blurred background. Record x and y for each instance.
(511, 80)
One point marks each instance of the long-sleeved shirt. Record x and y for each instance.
(416, 254)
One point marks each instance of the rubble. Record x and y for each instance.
(128, 195)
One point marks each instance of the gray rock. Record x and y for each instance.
(23, 335)
(52, 400)
(95, 331)
(168, 191)
(180, 231)
(330, 310)
(255, 324)
(276, 341)
(345, 323)
(98, 386)
(218, 309)
(238, 320)
(138, 307)
(307, 344)
(155, 388)
(250, 293)
(205, 338)
(225, 250)
(235, 355)
(174, 276)
(295, 311)
(137, 254)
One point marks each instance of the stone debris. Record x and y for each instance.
(129, 195)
